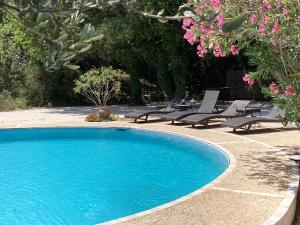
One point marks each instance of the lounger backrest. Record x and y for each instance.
(276, 114)
(209, 101)
(233, 109)
(172, 103)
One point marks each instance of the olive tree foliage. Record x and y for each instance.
(100, 85)
(63, 24)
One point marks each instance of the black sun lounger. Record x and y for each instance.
(275, 115)
(231, 112)
(171, 107)
(207, 106)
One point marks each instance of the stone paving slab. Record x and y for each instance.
(214, 210)
(260, 170)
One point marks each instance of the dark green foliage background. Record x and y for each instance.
(160, 62)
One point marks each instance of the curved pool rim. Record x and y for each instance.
(231, 165)
(230, 157)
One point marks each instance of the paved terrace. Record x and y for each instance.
(258, 188)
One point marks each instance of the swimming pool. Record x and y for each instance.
(84, 176)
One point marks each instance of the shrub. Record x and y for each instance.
(93, 118)
(100, 85)
(7, 102)
(98, 118)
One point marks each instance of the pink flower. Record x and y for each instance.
(218, 51)
(215, 4)
(252, 18)
(265, 20)
(220, 20)
(262, 30)
(279, 2)
(248, 79)
(267, 4)
(234, 50)
(201, 51)
(197, 11)
(274, 88)
(190, 36)
(187, 23)
(250, 82)
(202, 40)
(276, 26)
(289, 90)
(285, 11)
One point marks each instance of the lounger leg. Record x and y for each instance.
(205, 123)
(173, 121)
(146, 119)
(135, 120)
(234, 130)
(193, 125)
(249, 127)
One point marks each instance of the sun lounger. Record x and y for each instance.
(171, 107)
(207, 106)
(232, 111)
(275, 115)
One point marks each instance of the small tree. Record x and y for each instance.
(100, 85)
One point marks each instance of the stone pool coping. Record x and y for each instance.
(234, 194)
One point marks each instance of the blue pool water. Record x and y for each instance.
(84, 176)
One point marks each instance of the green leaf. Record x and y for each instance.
(72, 67)
(87, 31)
(161, 12)
(184, 7)
(234, 24)
(42, 25)
(250, 32)
(78, 45)
(68, 58)
(96, 38)
(162, 21)
(41, 17)
(63, 37)
(85, 49)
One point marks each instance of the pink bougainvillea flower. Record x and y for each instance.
(289, 90)
(285, 11)
(234, 50)
(279, 2)
(274, 88)
(276, 26)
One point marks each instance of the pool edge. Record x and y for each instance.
(231, 166)
(283, 215)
